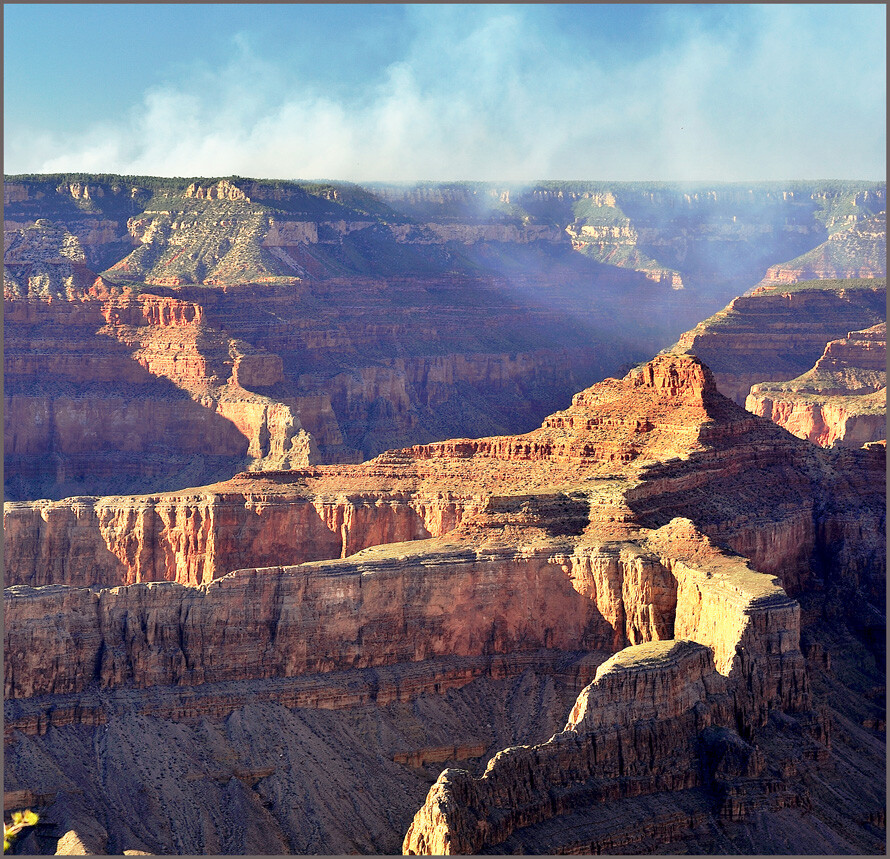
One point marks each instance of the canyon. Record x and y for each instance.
(165, 333)
(360, 519)
(793, 353)
(657, 593)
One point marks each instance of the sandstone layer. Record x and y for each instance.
(842, 400)
(165, 333)
(653, 521)
(859, 250)
(777, 333)
(105, 389)
(234, 230)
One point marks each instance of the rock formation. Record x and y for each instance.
(638, 727)
(842, 400)
(276, 324)
(680, 563)
(858, 250)
(777, 333)
(119, 390)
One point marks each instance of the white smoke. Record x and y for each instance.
(484, 92)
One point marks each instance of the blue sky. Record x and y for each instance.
(390, 92)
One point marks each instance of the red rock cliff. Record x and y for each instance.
(562, 540)
(841, 400)
(772, 335)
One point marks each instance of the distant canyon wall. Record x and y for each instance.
(122, 393)
(162, 333)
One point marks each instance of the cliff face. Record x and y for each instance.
(199, 536)
(859, 250)
(777, 334)
(294, 323)
(117, 391)
(356, 616)
(174, 232)
(530, 560)
(841, 400)
(659, 718)
(669, 406)
(677, 236)
(226, 389)
(665, 428)
(633, 731)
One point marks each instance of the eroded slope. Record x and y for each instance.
(302, 322)
(532, 557)
(841, 400)
(779, 332)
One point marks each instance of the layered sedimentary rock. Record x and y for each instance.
(217, 618)
(231, 231)
(733, 656)
(859, 250)
(631, 426)
(842, 400)
(290, 323)
(118, 390)
(677, 237)
(777, 333)
(111, 390)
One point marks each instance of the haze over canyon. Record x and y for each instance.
(444, 517)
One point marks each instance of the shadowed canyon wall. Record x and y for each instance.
(592, 556)
(654, 607)
(776, 334)
(274, 324)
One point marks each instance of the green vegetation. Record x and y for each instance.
(20, 820)
(599, 216)
(195, 240)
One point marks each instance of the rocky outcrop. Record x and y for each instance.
(672, 236)
(840, 401)
(119, 391)
(222, 190)
(221, 231)
(221, 398)
(608, 527)
(369, 318)
(734, 656)
(196, 537)
(829, 423)
(777, 334)
(617, 244)
(229, 387)
(858, 251)
(162, 634)
(45, 260)
(634, 427)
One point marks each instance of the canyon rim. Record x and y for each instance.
(445, 429)
(444, 518)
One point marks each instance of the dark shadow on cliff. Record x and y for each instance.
(125, 432)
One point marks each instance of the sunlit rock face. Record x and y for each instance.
(162, 333)
(589, 606)
(604, 615)
(776, 334)
(842, 400)
(855, 250)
